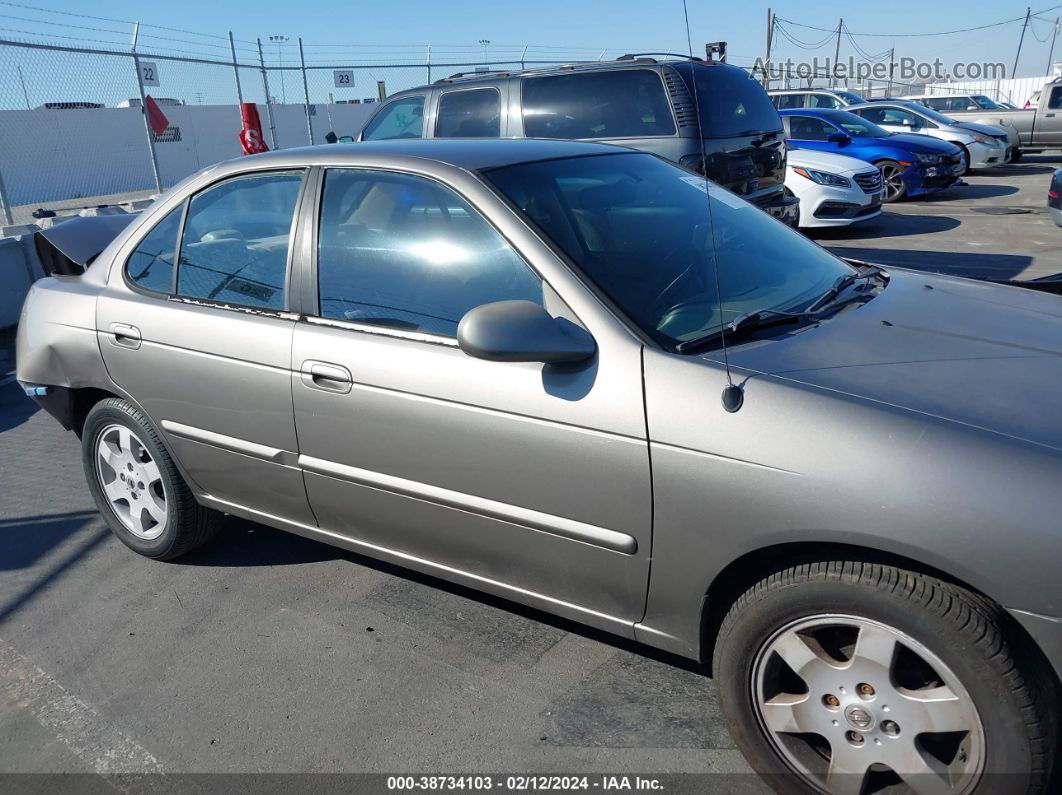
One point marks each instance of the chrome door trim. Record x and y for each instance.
(523, 517)
(230, 443)
(551, 604)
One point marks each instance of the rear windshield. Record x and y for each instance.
(732, 103)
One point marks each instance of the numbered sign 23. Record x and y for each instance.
(344, 77)
(149, 73)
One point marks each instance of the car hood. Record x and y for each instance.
(983, 129)
(979, 354)
(913, 142)
(826, 161)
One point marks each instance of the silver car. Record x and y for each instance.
(982, 145)
(512, 364)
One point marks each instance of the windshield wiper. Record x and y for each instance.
(763, 318)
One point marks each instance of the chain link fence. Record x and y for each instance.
(73, 132)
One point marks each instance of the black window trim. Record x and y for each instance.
(463, 89)
(663, 87)
(311, 310)
(304, 171)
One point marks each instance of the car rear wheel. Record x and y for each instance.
(851, 677)
(136, 485)
(892, 178)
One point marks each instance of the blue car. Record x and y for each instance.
(911, 165)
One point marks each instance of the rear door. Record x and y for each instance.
(524, 479)
(205, 346)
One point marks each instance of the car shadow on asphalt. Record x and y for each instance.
(966, 192)
(951, 263)
(885, 225)
(15, 407)
(245, 543)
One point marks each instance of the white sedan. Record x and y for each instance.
(834, 190)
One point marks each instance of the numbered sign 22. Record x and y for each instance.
(149, 73)
(344, 77)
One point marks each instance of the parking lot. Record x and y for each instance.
(268, 652)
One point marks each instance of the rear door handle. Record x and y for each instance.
(126, 336)
(326, 376)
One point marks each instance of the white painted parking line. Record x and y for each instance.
(76, 724)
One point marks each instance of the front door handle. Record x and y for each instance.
(326, 376)
(126, 336)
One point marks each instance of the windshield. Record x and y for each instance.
(858, 127)
(985, 102)
(638, 228)
(850, 98)
(732, 103)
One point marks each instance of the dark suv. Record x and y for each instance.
(658, 106)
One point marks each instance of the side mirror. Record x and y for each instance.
(522, 331)
(839, 138)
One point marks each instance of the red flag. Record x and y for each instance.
(156, 118)
(251, 134)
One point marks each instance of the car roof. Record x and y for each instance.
(826, 113)
(900, 103)
(473, 154)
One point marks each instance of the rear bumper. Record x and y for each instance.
(1046, 632)
(780, 205)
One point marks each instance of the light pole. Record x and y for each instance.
(280, 40)
(484, 42)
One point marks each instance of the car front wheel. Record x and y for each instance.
(892, 179)
(136, 485)
(851, 677)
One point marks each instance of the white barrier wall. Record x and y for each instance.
(58, 155)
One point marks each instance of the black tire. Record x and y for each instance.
(898, 192)
(965, 156)
(1016, 155)
(1013, 691)
(188, 524)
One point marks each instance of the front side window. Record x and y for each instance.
(809, 128)
(940, 103)
(402, 118)
(1055, 100)
(150, 266)
(625, 103)
(235, 243)
(638, 228)
(896, 117)
(406, 253)
(824, 101)
(475, 113)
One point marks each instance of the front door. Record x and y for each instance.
(205, 347)
(525, 479)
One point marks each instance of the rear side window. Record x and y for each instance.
(475, 113)
(402, 118)
(235, 243)
(150, 266)
(404, 252)
(783, 101)
(626, 103)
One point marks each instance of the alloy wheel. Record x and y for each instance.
(131, 481)
(855, 706)
(892, 176)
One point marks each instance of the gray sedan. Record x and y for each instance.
(584, 379)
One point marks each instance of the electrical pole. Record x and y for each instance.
(836, 54)
(1050, 55)
(767, 60)
(1014, 71)
(892, 66)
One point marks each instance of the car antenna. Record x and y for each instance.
(733, 396)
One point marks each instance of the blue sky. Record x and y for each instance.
(589, 24)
